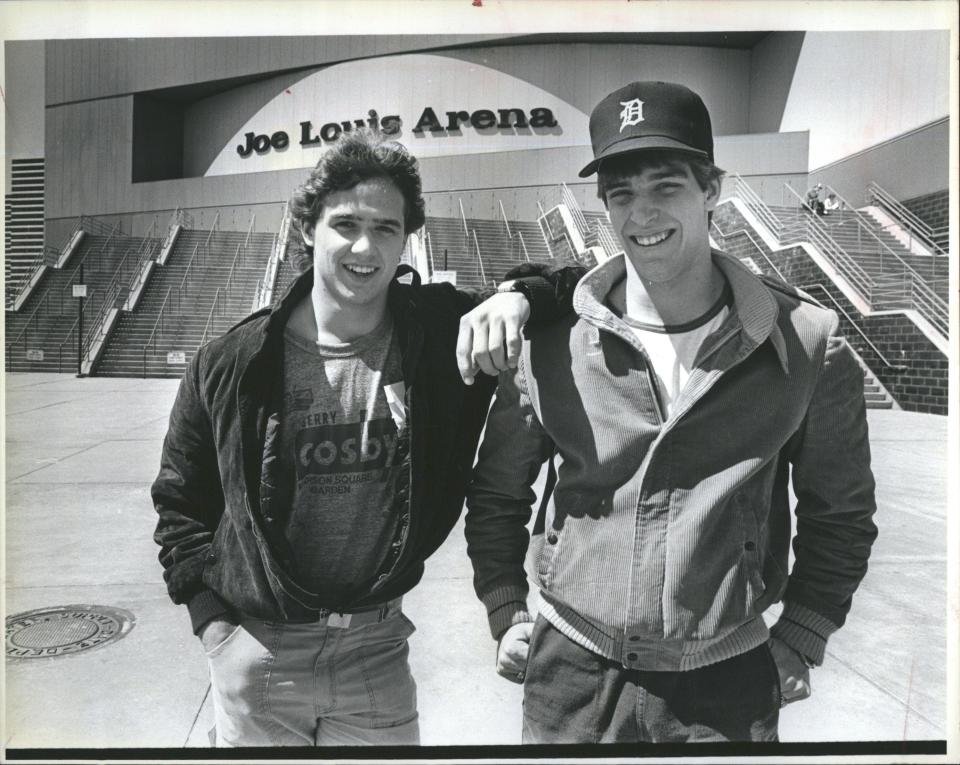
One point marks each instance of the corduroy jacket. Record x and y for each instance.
(221, 509)
(666, 538)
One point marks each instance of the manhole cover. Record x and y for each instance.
(49, 632)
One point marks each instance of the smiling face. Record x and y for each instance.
(659, 213)
(357, 241)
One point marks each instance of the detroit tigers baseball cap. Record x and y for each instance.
(649, 115)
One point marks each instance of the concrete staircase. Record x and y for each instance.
(42, 336)
(198, 290)
(875, 250)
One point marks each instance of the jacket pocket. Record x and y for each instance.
(754, 548)
(220, 647)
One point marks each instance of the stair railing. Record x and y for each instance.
(429, 243)
(14, 290)
(267, 284)
(69, 341)
(463, 221)
(228, 286)
(503, 215)
(213, 308)
(160, 325)
(97, 227)
(812, 228)
(606, 241)
(476, 246)
(839, 308)
(197, 256)
(756, 245)
(214, 227)
(912, 223)
(867, 225)
(915, 291)
(32, 321)
(573, 205)
(523, 246)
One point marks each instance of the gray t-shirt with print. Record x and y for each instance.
(340, 445)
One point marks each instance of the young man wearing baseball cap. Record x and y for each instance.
(674, 405)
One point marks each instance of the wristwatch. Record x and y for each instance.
(515, 285)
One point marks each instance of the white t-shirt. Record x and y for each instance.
(673, 348)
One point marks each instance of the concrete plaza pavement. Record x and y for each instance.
(80, 457)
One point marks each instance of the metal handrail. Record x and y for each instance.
(463, 219)
(523, 246)
(96, 226)
(886, 362)
(68, 339)
(214, 227)
(87, 256)
(197, 249)
(233, 266)
(743, 190)
(506, 223)
(139, 272)
(206, 328)
(267, 284)
(24, 333)
(429, 244)
(574, 206)
(753, 242)
(476, 244)
(866, 225)
(152, 338)
(816, 230)
(606, 241)
(920, 295)
(28, 275)
(253, 220)
(914, 224)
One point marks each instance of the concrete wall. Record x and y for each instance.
(853, 90)
(23, 87)
(98, 68)
(773, 64)
(907, 166)
(582, 73)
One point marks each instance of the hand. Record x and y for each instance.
(512, 652)
(489, 337)
(794, 672)
(215, 631)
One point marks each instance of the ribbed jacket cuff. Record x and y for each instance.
(205, 606)
(506, 606)
(805, 631)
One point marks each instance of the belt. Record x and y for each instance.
(371, 615)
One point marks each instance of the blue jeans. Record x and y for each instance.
(572, 695)
(278, 684)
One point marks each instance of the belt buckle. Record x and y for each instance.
(339, 621)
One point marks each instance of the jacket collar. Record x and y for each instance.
(399, 300)
(755, 308)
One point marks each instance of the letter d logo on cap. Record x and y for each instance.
(632, 113)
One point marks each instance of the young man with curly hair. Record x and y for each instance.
(678, 402)
(318, 453)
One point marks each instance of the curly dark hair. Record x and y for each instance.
(357, 156)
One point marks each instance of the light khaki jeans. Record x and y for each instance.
(277, 684)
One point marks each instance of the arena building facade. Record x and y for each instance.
(226, 127)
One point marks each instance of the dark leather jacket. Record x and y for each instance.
(220, 507)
